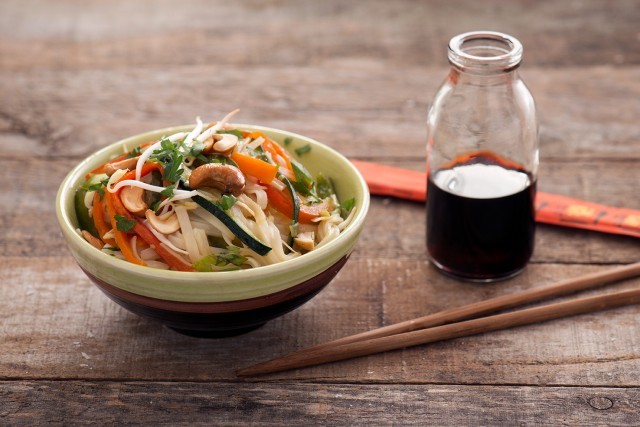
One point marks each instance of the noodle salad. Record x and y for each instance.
(216, 198)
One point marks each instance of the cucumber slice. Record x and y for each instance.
(236, 228)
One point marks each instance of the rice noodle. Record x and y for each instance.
(148, 254)
(163, 239)
(187, 232)
(133, 242)
(157, 264)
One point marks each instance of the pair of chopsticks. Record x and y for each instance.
(464, 321)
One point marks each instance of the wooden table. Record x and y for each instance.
(359, 76)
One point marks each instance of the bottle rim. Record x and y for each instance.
(485, 51)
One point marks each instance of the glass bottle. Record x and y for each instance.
(482, 162)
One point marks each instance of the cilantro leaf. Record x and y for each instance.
(227, 201)
(172, 168)
(196, 148)
(287, 141)
(156, 205)
(231, 257)
(168, 191)
(346, 207)
(123, 224)
(303, 177)
(98, 187)
(135, 152)
(324, 187)
(303, 150)
(235, 132)
(170, 156)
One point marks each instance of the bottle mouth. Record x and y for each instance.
(485, 51)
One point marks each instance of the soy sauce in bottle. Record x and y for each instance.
(482, 161)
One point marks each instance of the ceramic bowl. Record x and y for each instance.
(218, 303)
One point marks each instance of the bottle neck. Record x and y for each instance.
(485, 53)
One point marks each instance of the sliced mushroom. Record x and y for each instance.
(95, 242)
(166, 223)
(111, 167)
(220, 143)
(305, 241)
(226, 178)
(133, 199)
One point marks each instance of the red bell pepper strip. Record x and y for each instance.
(282, 203)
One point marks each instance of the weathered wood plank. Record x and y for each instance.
(55, 324)
(162, 403)
(150, 33)
(374, 110)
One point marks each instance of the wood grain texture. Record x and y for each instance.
(275, 32)
(59, 326)
(358, 76)
(166, 403)
(376, 111)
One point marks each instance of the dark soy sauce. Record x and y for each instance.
(480, 220)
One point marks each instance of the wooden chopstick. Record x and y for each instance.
(476, 309)
(404, 334)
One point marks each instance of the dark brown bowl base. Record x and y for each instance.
(220, 319)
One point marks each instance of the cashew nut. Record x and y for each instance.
(133, 199)
(220, 143)
(94, 241)
(226, 178)
(166, 223)
(111, 167)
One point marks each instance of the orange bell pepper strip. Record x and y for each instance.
(122, 240)
(282, 203)
(98, 219)
(273, 148)
(260, 169)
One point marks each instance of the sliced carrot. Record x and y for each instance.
(260, 169)
(98, 218)
(282, 203)
(122, 240)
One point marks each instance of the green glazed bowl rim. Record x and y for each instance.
(212, 286)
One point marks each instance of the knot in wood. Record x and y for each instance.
(601, 403)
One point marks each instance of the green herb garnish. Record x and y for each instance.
(168, 191)
(170, 156)
(235, 132)
(123, 224)
(230, 257)
(134, 152)
(287, 141)
(226, 202)
(303, 150)
(346, 207)
(324, 187)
